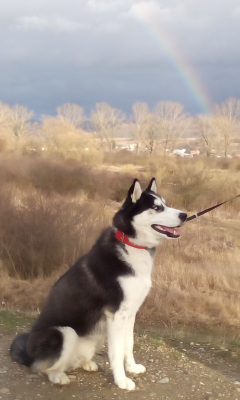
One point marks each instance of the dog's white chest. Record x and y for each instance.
(137, 286)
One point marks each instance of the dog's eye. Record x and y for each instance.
(158, 208)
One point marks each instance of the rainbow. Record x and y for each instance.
(178, 60)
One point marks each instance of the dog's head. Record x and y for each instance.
(145, 217)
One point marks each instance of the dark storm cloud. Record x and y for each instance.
(91, 51)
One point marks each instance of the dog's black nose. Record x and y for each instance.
(182, 216)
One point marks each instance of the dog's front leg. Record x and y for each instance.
(130, 364)
(117, 324)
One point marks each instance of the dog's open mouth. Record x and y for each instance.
(168, 231)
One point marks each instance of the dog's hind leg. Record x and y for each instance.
(86, 348)
(89, 345)
(54, 351)
(67, 358)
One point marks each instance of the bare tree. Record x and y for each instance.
(5, 139)
(64, 130)
(71, 113)
(52, 129)
(152, 138)
(205, 126)
(140, 123)
(172, 122)
(107, 121)
(5, 111)
(20, 123)
(226, 121)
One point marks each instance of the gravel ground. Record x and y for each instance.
(176, 369)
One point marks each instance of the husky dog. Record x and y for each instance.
(99, 296)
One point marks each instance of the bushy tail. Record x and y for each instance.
(18, 350)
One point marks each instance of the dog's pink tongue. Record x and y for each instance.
(174, 231)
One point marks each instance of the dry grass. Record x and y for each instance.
(196, 280)
(52, 211)
(39, 233)
(24, 295)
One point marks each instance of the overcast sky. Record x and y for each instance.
(120, 52)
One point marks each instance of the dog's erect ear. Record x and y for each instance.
(152, 185)
(135, 191)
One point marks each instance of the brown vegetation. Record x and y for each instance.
(52, 209)
(59, 188)
(196, 280)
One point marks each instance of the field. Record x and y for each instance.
(52, 209)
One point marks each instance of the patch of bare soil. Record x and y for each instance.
(176, 369)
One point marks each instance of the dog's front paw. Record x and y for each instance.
(126, 383)
(136, 368)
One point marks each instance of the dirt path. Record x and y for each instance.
(179, 368)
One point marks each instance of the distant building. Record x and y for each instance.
(179, 152)
(182, 153)
(195, 152)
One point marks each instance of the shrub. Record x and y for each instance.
(42, 233)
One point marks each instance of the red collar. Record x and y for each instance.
(124, 239)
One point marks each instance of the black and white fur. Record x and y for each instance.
(99, 296)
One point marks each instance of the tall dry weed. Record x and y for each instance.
(40, 233)
(197, 279)
(52, 209)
